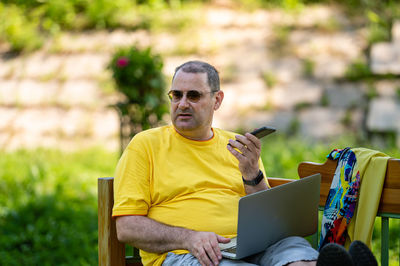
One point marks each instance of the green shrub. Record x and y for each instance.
(20, 32)
(26, 24)
(138, 76)
(269, 79)
(379, 28)
(60, 12)
(106, 13)
(308, 67)
(358, 70)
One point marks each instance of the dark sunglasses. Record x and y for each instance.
(192, 96)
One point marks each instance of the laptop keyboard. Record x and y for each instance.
(229, 247)
(231, 250)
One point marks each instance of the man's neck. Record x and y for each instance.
(199, 137)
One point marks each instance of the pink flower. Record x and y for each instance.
(122, 61)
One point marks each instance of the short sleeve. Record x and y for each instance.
(131, 182)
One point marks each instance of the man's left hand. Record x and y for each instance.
(249, 155)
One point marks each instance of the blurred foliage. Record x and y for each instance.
(138, 75)
(308, 67)
(26, 174)
(394, 244)
(358, 70)
(372, 92)
(50, 230)
(26, 24)
(281, 154)
(48, 206)
(269, 79)
(18, 30)
(379, 27)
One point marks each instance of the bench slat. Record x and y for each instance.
(390, 199)
(274, 181)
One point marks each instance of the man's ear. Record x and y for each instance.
(218, 99)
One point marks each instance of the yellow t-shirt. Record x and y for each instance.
(180, 182)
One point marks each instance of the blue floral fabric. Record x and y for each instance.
(342, 198)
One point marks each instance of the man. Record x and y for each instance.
(177, 187)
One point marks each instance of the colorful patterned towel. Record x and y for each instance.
(342, 198)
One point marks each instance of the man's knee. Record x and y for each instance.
(289, 250)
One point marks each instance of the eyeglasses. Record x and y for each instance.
(192, 96)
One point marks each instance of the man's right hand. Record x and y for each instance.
(204, 246)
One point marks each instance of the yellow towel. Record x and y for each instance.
(372, 166)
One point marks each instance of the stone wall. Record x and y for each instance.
(60, 96)
(384, 111)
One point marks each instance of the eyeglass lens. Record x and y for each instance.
(193, 96)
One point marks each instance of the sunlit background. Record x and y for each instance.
(326, 74)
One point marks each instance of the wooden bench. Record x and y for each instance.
(112, 252)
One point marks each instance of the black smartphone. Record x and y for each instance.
(263, 131)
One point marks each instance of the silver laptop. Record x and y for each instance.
(268, 216)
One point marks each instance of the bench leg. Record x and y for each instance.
(384, 241)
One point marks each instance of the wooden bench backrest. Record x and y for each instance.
(390, 199)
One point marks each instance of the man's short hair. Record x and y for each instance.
(201, 67)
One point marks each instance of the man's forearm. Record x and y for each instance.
(150, 235)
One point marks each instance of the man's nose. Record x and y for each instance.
(183, 102)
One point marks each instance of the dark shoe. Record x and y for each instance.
(361, 254)
(334, 255)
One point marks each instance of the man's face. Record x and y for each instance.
(190, 118)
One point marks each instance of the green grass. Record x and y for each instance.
(281, 154)
(48, 198)
(394, 229)
(40, 172)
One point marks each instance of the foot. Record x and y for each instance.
(333, 255)
(361, 254)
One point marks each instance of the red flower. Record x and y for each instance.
(122, 62)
